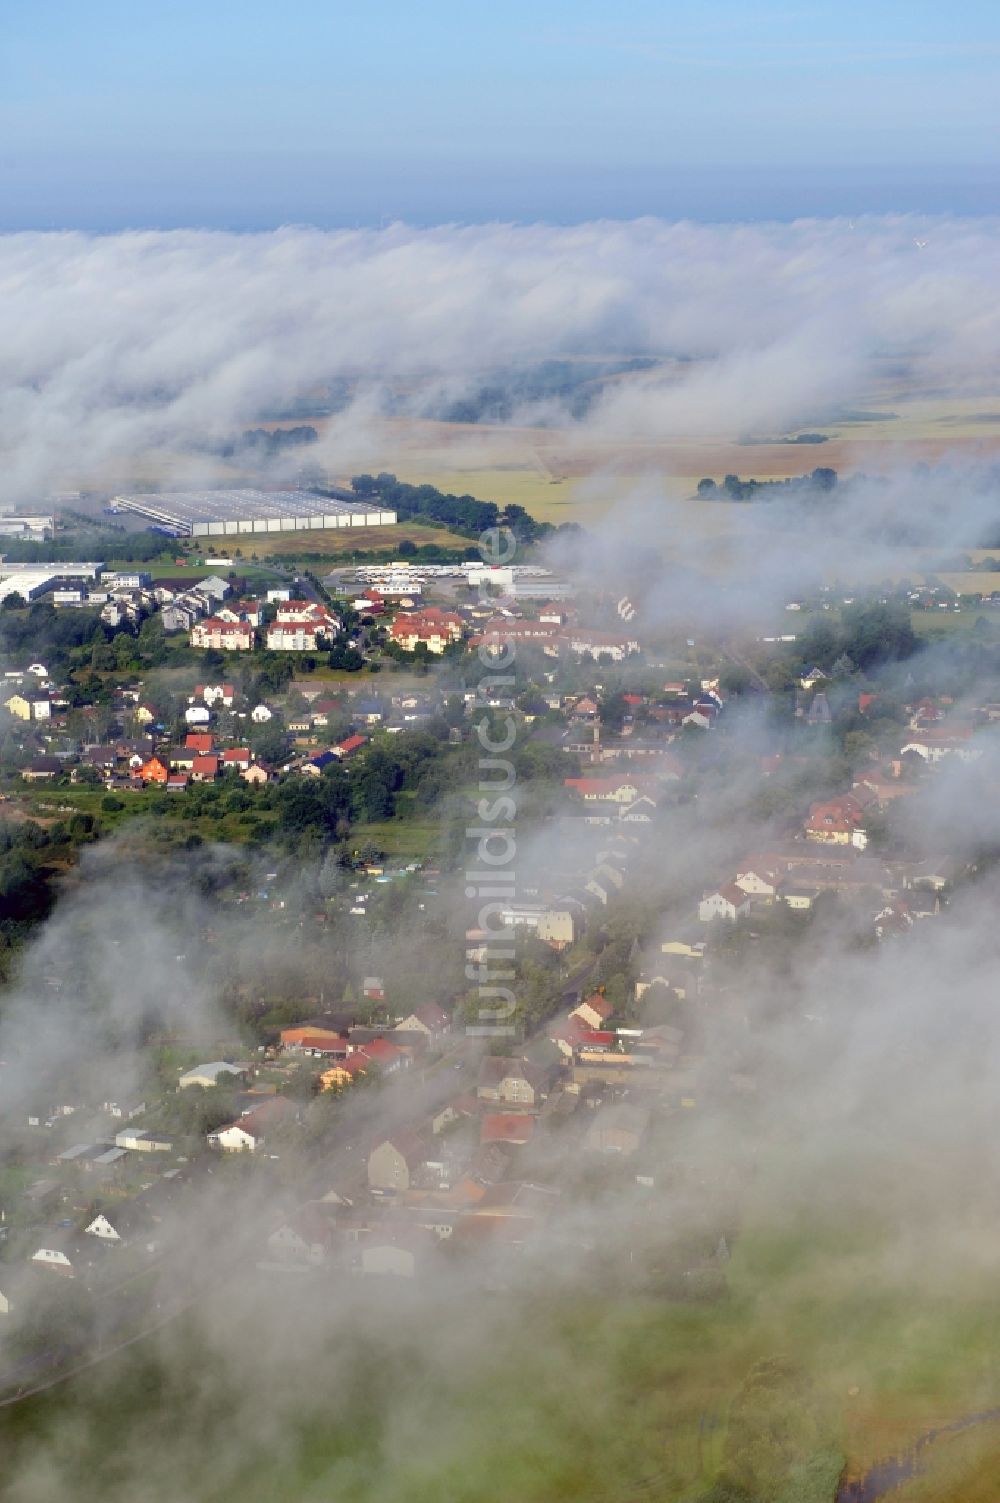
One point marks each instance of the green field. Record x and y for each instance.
(546, 1393)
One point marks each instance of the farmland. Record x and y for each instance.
(339, 542)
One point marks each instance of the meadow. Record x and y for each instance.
(614, 1396)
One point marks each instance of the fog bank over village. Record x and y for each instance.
(497, 961)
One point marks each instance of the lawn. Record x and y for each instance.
(401, 839)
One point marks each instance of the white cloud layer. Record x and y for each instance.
(114, 345)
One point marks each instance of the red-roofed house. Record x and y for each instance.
(199, 741)
(434, 628)
(568, 1034)
(506, 1127)
(728, 902)
(236, 756)
(349, 746)
(598, 1038)
(593, 1010)
(213, 694)
(380, 1052)
(291, 1038)
(204, 769)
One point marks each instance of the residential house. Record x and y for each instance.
(301, 638)
(556, 927)
(155, 770)
(217, 1072)
(431, 628)
(515, 1082)
(514, 1128)
(348, 747)
(935, 745)
(619, 1127)
(397, 1252)
(430, 1019)
(224, 636)
(758, 883)
(217, 694)
(42, 769)
(593, 1011)
(311, 1038)
(728, 902)
(248, 1133)
(59, 1251)
(29, 706)
(394, 1161)
(141, 1140)
(301, 1241)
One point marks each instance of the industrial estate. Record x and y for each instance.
(224, 513)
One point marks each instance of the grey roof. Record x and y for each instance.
(214, 1068)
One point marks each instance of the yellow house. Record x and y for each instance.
(19, 706)
(335, 1078)
(693, 950)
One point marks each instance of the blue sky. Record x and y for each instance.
(335, 112)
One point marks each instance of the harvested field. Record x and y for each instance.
(335, 542)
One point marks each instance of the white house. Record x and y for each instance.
(301, 1242)
(238, 1137)
(51, 1255)
(102, 1227)
(757, 883)
(728, 902)
(197, 715)
(260, 714)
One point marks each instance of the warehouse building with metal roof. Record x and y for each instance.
(231, 513)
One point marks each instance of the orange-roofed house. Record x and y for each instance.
(154, 771)
(292, 1038)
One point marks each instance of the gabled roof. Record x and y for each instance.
(598, 1002)
(380, 1051)
(406, 1143)
(433, 1015)
(506, 1127)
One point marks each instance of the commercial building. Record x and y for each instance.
(228, 513)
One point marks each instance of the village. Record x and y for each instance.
(386, 1135)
